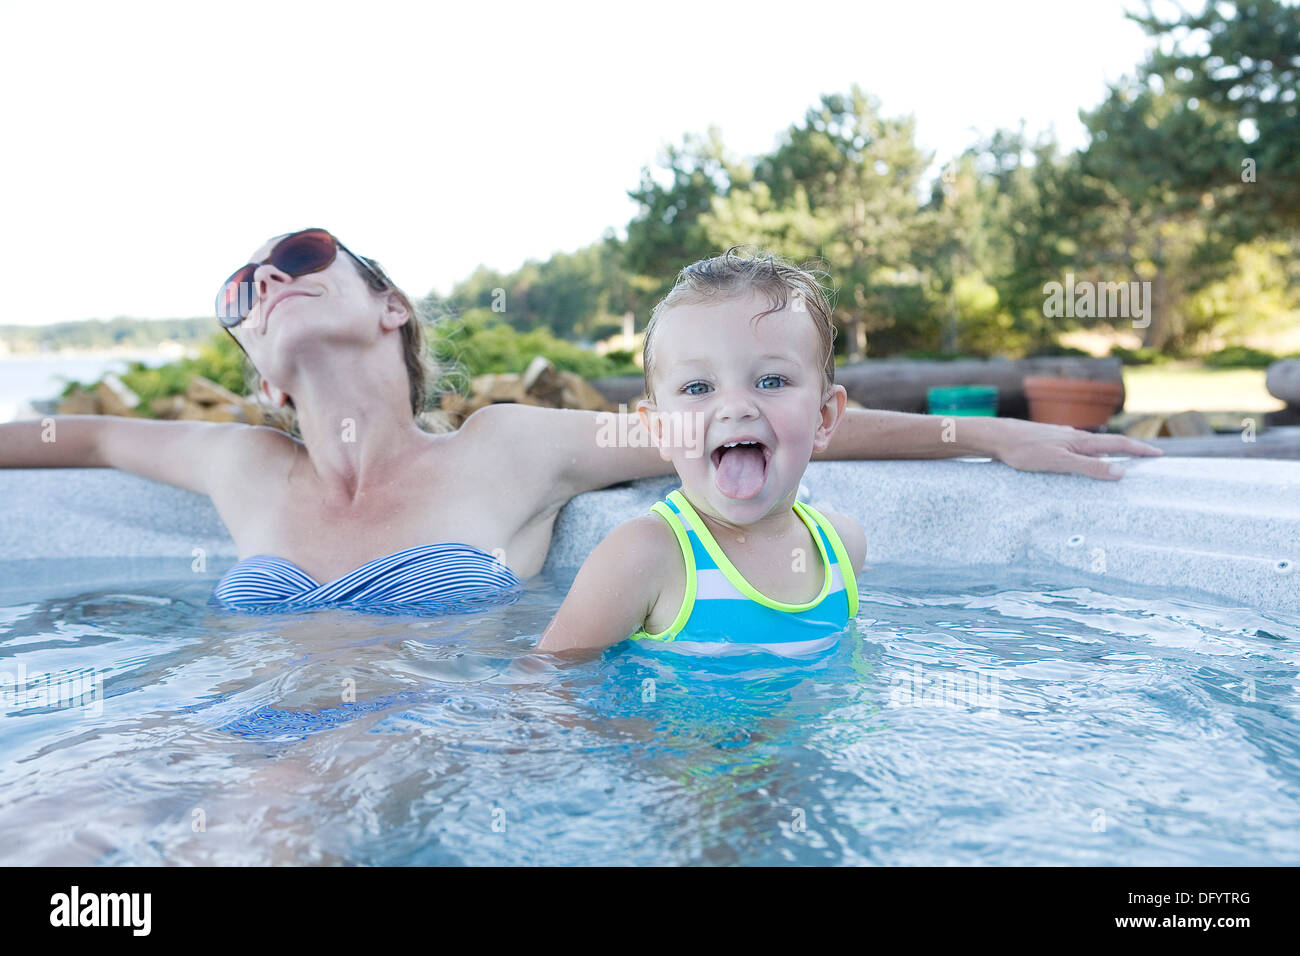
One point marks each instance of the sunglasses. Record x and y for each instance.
(298, 254)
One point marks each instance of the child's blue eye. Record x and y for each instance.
(695, 388)
(780, 380)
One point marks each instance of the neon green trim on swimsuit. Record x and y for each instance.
(736, 578)
(847, 572)
(688, 597)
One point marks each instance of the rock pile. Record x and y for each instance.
(204, 400)
(540, 384)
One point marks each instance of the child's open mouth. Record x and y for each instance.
(740, 467)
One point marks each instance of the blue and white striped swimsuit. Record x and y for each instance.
(432, 579)
(723, 615)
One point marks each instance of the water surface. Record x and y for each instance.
(974, 717)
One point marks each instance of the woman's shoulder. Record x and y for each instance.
(256, 449)
(263, 441)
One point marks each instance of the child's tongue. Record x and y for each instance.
(740, 471)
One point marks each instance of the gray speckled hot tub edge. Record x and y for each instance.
(1226, 527)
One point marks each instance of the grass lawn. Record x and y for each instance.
(1179, 387)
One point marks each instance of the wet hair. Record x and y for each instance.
(736, 273)
(421, 370)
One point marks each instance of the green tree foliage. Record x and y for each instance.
(841, 186)
(478, 342)
(667, 234)
(1190, 181)
(572, 293)
(1136, 220)
(861, 173)
(1238, 65)
(1259, 294)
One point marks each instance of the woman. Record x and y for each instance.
(366, 494)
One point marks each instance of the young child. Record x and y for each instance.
(739, 369)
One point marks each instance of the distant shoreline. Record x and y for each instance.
(171, 350)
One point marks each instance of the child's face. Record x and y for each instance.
(722, 377)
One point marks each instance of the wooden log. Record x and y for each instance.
(1275, 443)
(902, 384)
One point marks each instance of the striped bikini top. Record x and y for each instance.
(432, 579)
(723, 615)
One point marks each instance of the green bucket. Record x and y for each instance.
(963, 400)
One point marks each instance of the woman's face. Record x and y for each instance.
(293, 317)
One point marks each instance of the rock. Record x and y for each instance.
(453, 403)
(115, 398)
(253, 412)
(1147, 426)
(1188, 425)
(169, 406)
(1283, 380)
(224, 412)
(456, 407)
(79, 402)
(540, 385)
(503, 387)
(542, 382)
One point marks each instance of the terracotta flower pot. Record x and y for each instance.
(1080, 403)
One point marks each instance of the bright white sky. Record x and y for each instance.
(150, 148)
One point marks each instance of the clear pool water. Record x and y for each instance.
(1000, 717)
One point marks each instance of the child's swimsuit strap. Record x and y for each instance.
(841, 553)
(666, 512)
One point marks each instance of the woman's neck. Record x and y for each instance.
(355, 432)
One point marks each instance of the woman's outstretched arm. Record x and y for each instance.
(569, 452)
(1029, 446)
(190, 455)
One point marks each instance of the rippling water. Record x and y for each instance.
(998, 717)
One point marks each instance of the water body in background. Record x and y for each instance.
(28, 378)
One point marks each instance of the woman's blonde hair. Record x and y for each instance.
(737, 272)
(422, 370)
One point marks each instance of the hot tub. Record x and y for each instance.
(1044, 670)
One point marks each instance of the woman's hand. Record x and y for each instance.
(1058, 448)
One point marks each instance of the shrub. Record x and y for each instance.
(478, 343)
(1240, 356)
(1138, 356)
(1059, 351)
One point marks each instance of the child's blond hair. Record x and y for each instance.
(737, 272)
